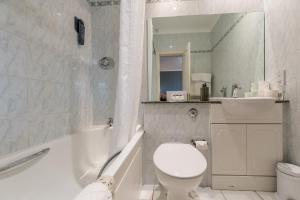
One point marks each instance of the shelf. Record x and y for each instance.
(195, 101)
(183, 102)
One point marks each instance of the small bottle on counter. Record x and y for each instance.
(204, 93)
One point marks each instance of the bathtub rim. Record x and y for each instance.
(118, 167)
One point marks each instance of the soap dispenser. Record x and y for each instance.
(204, 93)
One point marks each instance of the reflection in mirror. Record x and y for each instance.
(225, 52)
(171, 72)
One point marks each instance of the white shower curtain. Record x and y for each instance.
(132, 19)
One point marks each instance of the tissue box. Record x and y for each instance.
(176, 96)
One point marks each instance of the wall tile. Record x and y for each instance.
(13, 96)
(105, 39)
(38, 47)
(283, 53)
(171, 123)
(239, 57)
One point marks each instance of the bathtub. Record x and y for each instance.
(71, 163)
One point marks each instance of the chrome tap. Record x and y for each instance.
(110, 122)
(235, 90)
(224, 91)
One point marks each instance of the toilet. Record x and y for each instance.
(288, 181)
(179, 169)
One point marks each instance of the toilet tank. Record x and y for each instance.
(288, 181)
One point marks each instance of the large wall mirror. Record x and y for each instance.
(222, 51)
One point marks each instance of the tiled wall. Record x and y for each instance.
(43, 73)
(101, 3)
(283, 52)
(171, 123)
(105, 40)
(200, 62)
(238, 58)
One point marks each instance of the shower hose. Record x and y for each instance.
(107, 163)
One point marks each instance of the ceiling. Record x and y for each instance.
(184, 24)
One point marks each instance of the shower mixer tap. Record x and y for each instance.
(224, 91)
(110, 121)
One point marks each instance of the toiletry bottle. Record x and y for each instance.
(204, 93)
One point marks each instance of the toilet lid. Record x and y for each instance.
(179, 160)
(289, 169)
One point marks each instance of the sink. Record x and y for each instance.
(243, 99)
(247, 108)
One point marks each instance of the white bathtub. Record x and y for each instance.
(69, 165)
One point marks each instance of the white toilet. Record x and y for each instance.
(179, 169)
(288, 181)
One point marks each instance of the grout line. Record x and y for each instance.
(259, 195)
(223, 195)
(230, 29)
(153, 190)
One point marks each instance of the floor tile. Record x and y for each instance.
(209, 194)
(241, 195)
(145, 195)
(267, 195)
(156, 195)
(147, 192)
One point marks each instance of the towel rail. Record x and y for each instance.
(23, 160)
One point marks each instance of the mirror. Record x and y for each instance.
(223, 51)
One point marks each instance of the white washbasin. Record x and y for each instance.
(243, 99)
(246, 107)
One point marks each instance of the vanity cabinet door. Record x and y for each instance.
(264, 149)
(228, 149)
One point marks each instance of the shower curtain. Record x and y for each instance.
(132, 18)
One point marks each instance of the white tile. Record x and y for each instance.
(157, 120)
(35, 71)
(208, 194)
(13, 96)
(282, 52)
(240, 195)
(146, 195)
(156, 195)
(267, 195)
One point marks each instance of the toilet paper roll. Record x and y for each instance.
(201, 145)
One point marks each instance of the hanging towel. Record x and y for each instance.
(95, 191)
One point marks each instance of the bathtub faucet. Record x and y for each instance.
(110, 122)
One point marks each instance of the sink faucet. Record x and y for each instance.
(235, 90)
(110, 122)
(224, 91)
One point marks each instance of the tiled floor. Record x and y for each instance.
(208, 194)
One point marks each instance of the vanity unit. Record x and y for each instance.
(246, 136)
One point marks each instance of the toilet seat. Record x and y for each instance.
(179, 160)
(289, 169)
